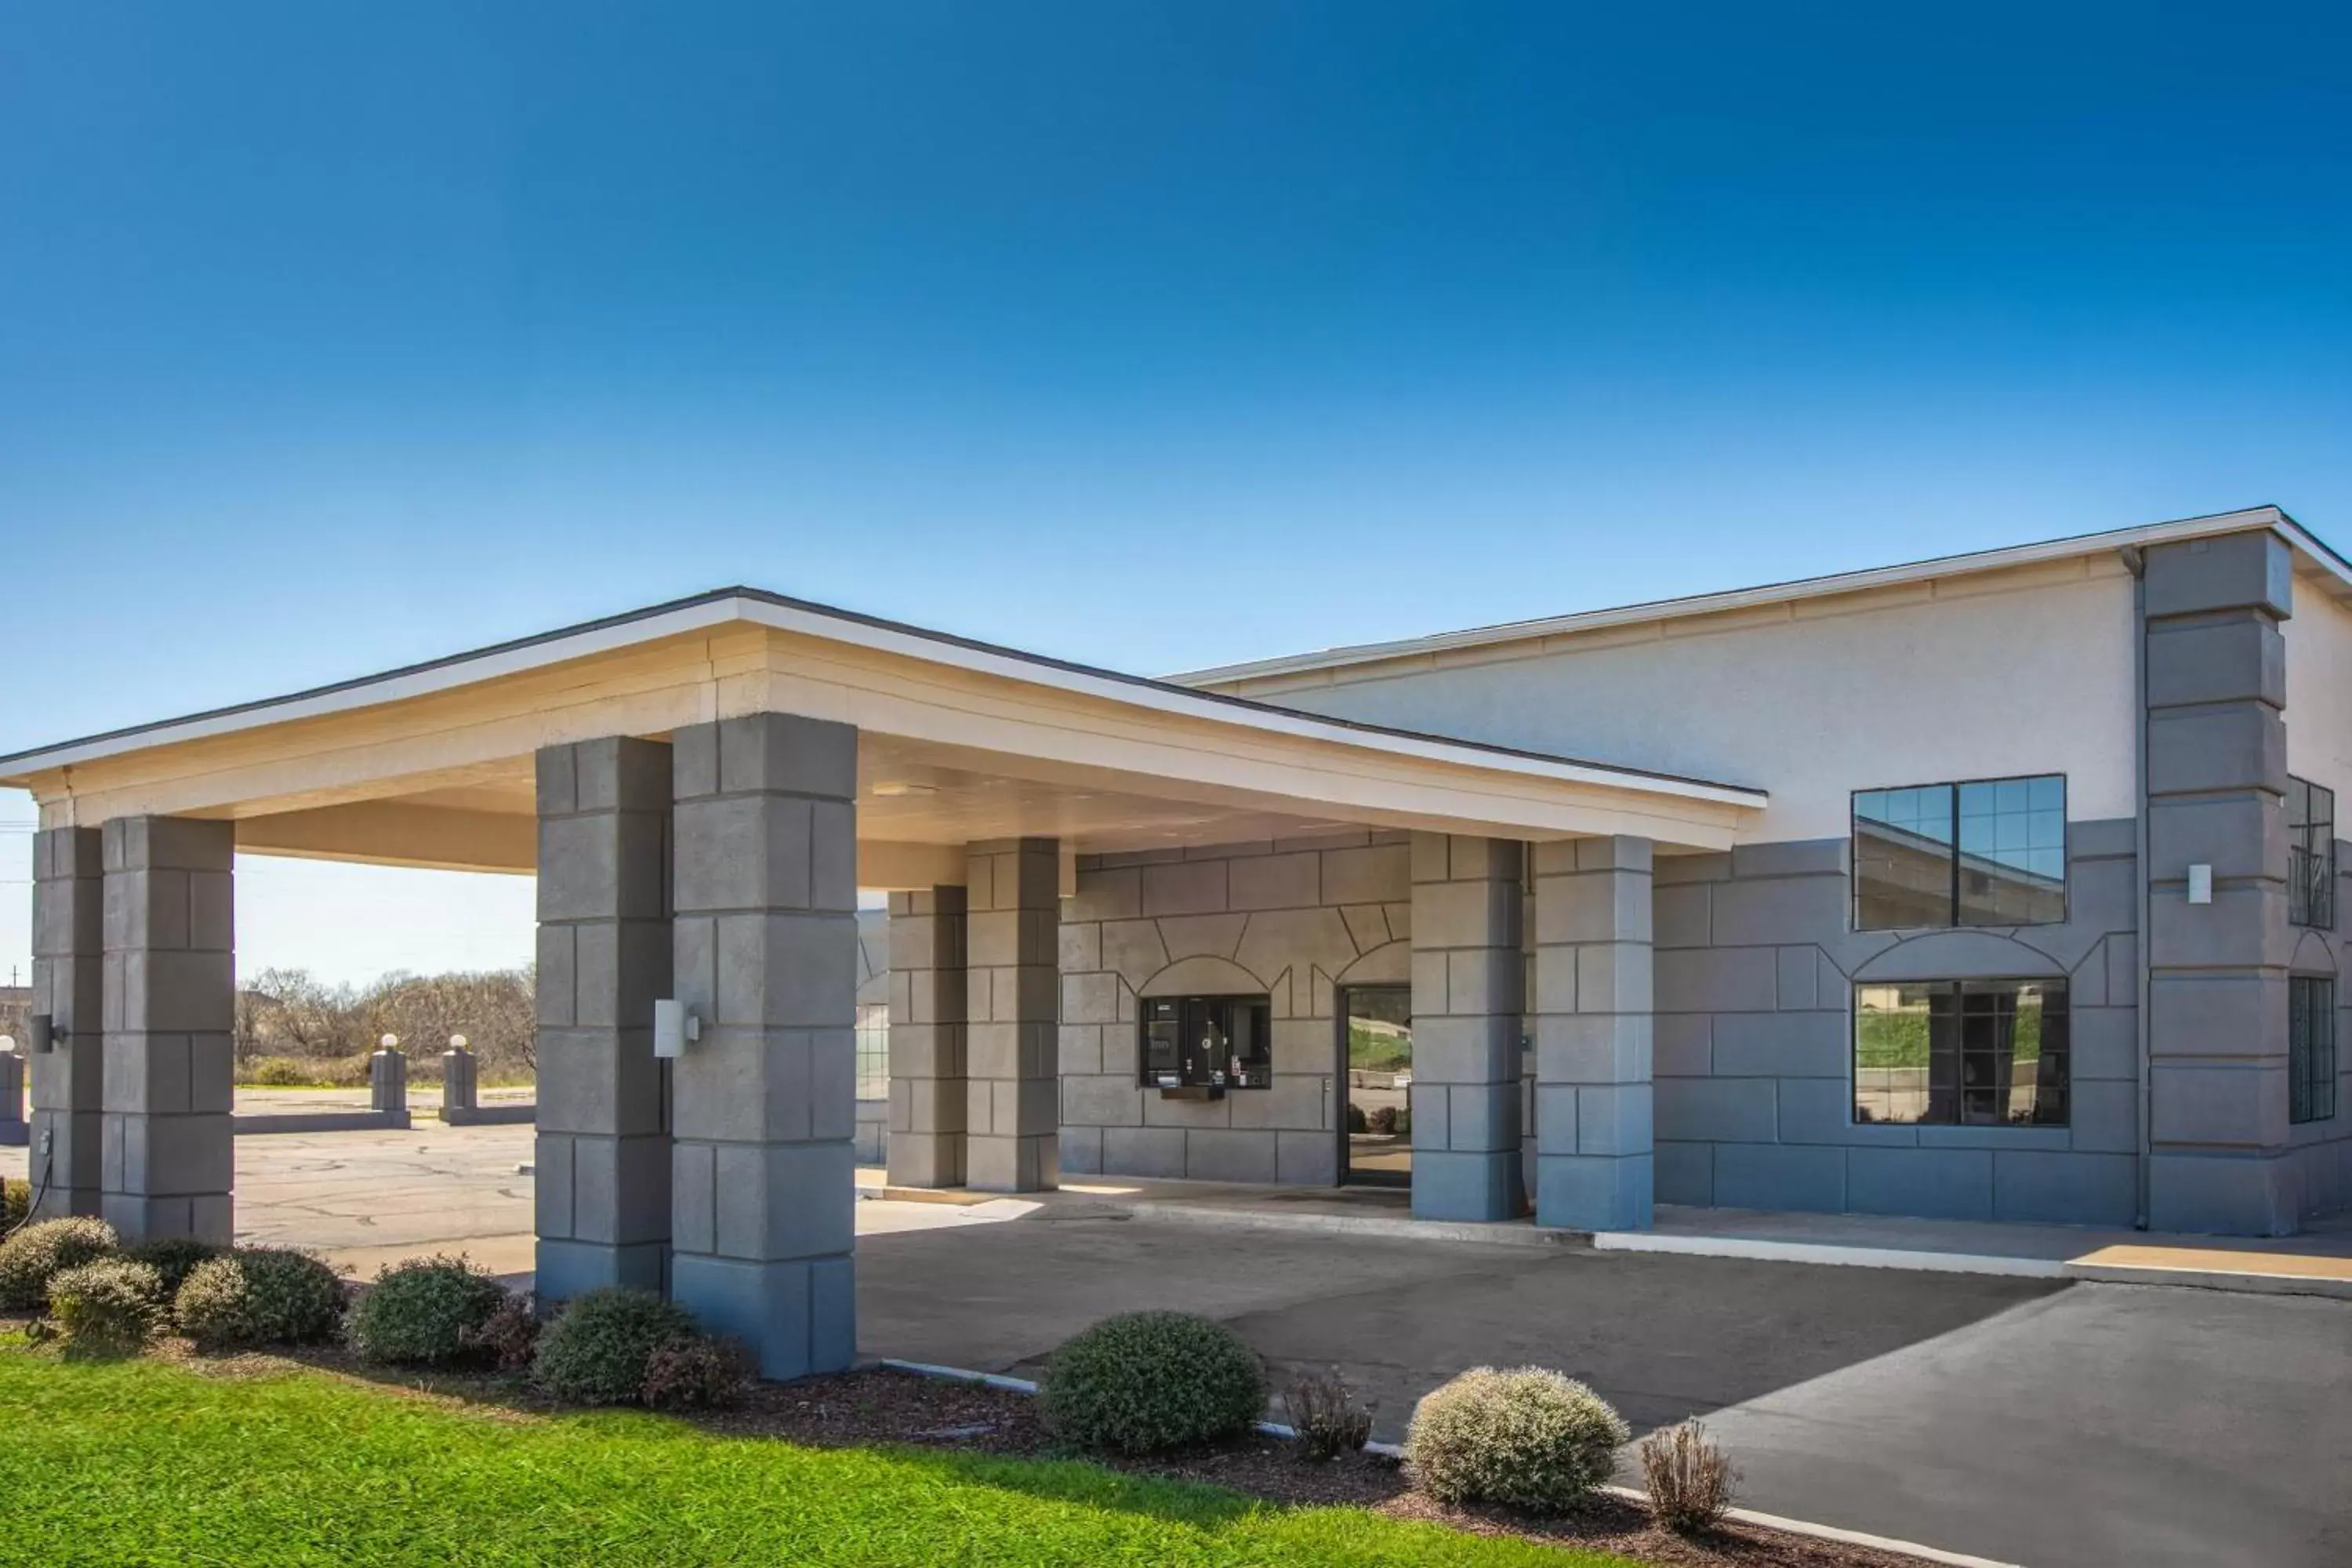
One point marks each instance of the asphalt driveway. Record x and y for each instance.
(2014, 1419)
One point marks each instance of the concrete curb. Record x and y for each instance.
(1829, 1253)
(321, 1121)
(1393, 1451)
(1496, 1233)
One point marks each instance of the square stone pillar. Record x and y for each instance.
(167, 1162)
(69, 984)
(1013, 1032)
(928, 996)
(603, 1151)
(764, 1103)
(2218, 973)
(1467, 991)
(1593, 997)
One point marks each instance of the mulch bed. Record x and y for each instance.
(881, 1406)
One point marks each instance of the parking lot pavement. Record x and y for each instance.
(2026, 1421)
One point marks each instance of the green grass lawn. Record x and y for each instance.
(138, 1462)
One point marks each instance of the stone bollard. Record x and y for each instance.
(13, 1128)
(388, 1085)
(457, 1073)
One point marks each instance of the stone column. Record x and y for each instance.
(928, 991)
(69, 984)
(2217, 785)
(1593, 996)
(603, 1144)
(460, 1072)
(168, 1162)
(1466, 995)
(765, 1100)
(1012, 1033)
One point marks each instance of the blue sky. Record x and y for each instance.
(1156, 335)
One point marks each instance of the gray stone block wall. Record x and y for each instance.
(69, 984)
(1468, 990)
(1294, 919)
(930, 1087)
(765, 952)
(167, 1151)
(602, 1149)
(1754, 968)
(1594, 1028)
(2217, 780)
(1011, 938)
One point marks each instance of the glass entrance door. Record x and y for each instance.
(1376, 1082)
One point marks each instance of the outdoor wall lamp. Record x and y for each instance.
(42, 1032)
(674, 1025)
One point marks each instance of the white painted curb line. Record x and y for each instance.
(1829, 1253)
(1392, 1451)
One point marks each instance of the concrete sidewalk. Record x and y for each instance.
(2317, 1263)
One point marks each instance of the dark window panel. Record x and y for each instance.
(1976, 1053)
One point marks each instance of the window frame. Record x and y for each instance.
(2310, 898)
(873, 1017)
(2305, 1079)
(2060, 986)
(1953, 788)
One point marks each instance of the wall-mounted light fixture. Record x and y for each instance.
(42, 1033)
(2200, 884)
(674, 1025)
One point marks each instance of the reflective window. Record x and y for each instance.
(874, 1051)
(1990, 852)
(1211, 1042)
(2310, 854)
(2310, 1050)
(1377, 1076)
(1978, 1053)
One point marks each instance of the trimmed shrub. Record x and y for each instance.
(259, 1296)
(275, 1072)
(699, 1372)
(1356, 1121)
(15, 1203)
(171, 1258)
(1324, 1413)
(1529, 1438)
(109, 1306)
(596, 1350)
(30, 1256)
(1691, 1484)
(1383, 1119)
(509, 1336)
(1146, 1381)
(420, 1312)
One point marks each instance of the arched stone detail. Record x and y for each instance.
(1201, 975)
(1388, 964)
(1957, 955)
(2313, 955)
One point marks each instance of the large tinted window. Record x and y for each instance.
(2311, 854)
(1991, 852)
(1987, 1053)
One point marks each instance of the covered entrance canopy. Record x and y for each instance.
(702, 787)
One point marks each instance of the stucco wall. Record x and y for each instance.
(1294, 918)
(1753, 1046)
(1978, 677)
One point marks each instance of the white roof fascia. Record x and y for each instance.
(815, 621)
(1783, 593)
